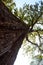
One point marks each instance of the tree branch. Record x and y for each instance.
(39, 38)
(36, 21)
(34, 44)
(37, 30)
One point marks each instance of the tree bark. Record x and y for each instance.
(12, 33)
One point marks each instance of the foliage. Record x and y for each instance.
(32, 15)
(38, 60)
(10, 4)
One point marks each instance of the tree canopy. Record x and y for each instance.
(32, 15)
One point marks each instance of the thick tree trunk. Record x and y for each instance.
(9, 57)
(12, 33)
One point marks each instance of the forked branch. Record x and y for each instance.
(34, 44)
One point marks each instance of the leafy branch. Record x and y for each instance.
(34, 44)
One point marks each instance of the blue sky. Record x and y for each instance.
(20, 3)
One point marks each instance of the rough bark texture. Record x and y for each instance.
(12, 33)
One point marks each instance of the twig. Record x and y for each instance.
(36, 21)
(34, 44)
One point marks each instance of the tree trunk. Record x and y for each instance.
(12, 33)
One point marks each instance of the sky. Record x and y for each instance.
(24, 59)
(21, 59)
(20, 3)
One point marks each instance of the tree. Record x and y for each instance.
(12, 33)
(32, 15)
(10, 4)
